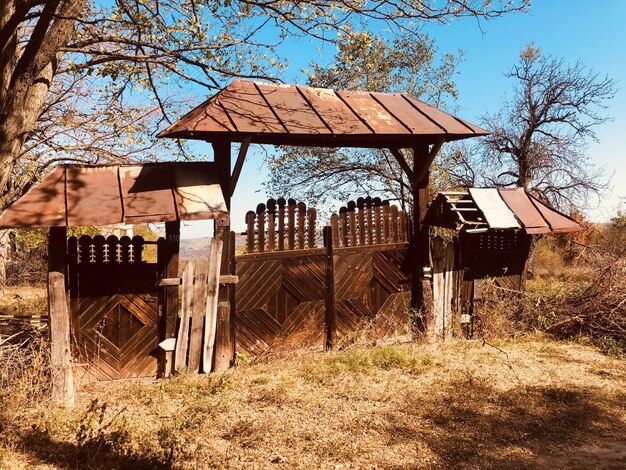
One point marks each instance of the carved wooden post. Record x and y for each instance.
(170, 293)
(59, 314)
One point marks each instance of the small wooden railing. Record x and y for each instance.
(282, 225)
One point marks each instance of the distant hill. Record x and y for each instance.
(195, 247)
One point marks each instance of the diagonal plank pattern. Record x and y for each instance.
(280, 296)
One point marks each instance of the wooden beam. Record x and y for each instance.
(422, 168)
(241, 158)
(210, 320)
(59, 317)
(403, 163)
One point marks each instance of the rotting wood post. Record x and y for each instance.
(170, 293)
(211, 326)
(222, 158)
(222, 340)
(59, 318)
(330, 289)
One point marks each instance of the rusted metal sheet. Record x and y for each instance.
(402, 109)
(525, 210)
(376, 117)
(559, 223)
(487, 209)
(292, 109)
(75, 195)
(42, 205)
(93, 196)
(335, 113)
(197, 192)
(298, 115)
(147, 193)
(498, 215)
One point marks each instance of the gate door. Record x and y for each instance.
(114, 307)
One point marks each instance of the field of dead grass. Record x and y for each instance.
(531, 403)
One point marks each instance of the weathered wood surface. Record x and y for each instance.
(198, 314)
(282, 297)
(368, 221)
(330, 301)
(114, 305)
(182, 337)
(170, 293)
(439, 273)
(210, 320)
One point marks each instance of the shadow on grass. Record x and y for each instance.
(469, 424)
(65, 455)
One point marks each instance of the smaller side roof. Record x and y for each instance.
(482, 209)
(74, 195)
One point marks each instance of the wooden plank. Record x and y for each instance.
(260, 222)
(439, 260)
(393, 224)
(301, 222)
(330, 316)
(182, 340)
(343, 220)
(334, 223)
(271, 225)
(222, 342)
(281, 224)
(449, 291)
(386, 216)
(210, 321)
(58, 312)
(360, 202)
(199, 309)
(250, 217)
(291, 224)
(352, 221)
(311, 227)
(370, 221)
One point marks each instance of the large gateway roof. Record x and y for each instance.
(73, 195)
(299, 115)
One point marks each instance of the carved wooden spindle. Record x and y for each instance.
(343, 220)
(98, 244)
(301, 222)
(386, 215)
(369, 213)
(250, 217)
(260, 223)
(125, 249)
(352, 221)
(311, 226)
(402, 228)
(112, 249)
(334, 223)
(360, 203)
(378, 213)
(138, 244)
(281, 223)
(271, 225)
(393, 223)
(291, 224)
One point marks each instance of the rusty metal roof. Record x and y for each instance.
(73, 195)
(482, 209)
(319, 117)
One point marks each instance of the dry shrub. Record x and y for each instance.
(24, 376)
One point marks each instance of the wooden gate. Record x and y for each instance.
(114, 307)
(283, 278)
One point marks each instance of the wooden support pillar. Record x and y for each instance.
(421, 293)
(170, 293)
(222, 152)
(59, 315)
(330, 316)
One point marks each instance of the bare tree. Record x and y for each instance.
(539, 139)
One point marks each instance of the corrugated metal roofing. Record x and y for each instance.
(74, 195)
(298, 115)
(481, 209)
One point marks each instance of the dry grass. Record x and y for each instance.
(456, 405)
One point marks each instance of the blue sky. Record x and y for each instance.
(593, 32)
